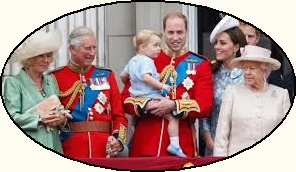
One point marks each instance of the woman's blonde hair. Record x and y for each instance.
(143, 37)
(28, 62)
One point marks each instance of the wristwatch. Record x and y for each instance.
(176, 115)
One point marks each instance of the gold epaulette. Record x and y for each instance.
(102, 67)
(54, 70)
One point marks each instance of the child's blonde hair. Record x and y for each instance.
(143, 37)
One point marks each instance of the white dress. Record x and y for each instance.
(246, 117)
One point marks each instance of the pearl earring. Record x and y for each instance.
(234, 53)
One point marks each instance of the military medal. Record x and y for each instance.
(92, 87)
(191, 69)
(94, 84)
(104, 83)
(188, 71)
(102, 98)
(193, 72)
(99, 108)
(187, 83)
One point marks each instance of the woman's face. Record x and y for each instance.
(41, 62)
(253, 74)
(224, 47)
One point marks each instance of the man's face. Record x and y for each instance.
(85, 54)
(175, 33)
(251, 37)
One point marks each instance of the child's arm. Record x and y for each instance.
(124, 77)
(149, 80)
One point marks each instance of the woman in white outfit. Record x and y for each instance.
(251, 110)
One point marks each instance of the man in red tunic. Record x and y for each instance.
(92, 96)
(190, 77)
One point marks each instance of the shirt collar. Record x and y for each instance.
(173, 54)
(76, 68)
(234, 73)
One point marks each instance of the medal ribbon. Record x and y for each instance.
(182, 67)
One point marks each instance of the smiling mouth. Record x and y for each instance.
(89, 58)
(219, 52)
(176, 44)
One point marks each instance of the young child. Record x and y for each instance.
(144, 79)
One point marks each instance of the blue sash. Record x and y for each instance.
(181, 69)
(89, 98)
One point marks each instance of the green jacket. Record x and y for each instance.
(20, 94)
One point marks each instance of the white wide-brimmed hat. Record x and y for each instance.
(39, 43)
(258, 54)
(226, 23)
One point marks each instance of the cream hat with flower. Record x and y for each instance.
(258, 54)
(39, 43)
(226, 23)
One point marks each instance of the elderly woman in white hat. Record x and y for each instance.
(253, 109)
(227, 39)
(31, 87)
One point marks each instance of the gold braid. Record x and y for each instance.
(165, 73)
(77, 86)
(169, 71)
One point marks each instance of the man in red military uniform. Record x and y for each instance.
(190, 77)
(91, 94)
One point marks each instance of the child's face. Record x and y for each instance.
(152, 48)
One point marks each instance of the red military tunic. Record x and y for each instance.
(151, 136)
(99, 104)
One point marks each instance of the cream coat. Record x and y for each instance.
(246, 117)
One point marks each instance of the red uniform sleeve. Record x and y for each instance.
(203, 93)
(118, 116)
(127, 107)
